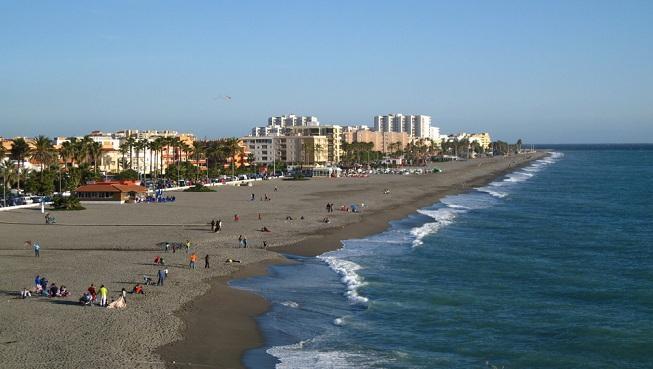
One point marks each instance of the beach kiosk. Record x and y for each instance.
(113, 192)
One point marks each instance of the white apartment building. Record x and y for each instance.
(263, 148)
(266, 131)
(416, 126)
(435, 133)
(293, 120)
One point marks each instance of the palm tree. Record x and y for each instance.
(43, 151)
(155, 147)
(95, 151)
(3, 152)
(318, 149)
(20, 150)
(233, 148)
(124, 147)
(130, 145)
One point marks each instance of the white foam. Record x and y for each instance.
(352, 280)
(495, 193)
(298, 357)
(339, 321)
(290, 304)
(443, 217)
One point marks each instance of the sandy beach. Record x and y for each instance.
(195, 318)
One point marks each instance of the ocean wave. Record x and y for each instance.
(348, 271)
(296, 356)
(443, 216)
(495, 193)
(290, 304)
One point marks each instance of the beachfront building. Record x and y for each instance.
(264, 149)
(266, 131)
(114, 192)
(304, 150)
(383, 141)
(293, 120)
(482, 138)
(333, 135)
(416, 126)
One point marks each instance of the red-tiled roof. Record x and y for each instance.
(111, 187)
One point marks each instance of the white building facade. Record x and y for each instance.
(416, 126)
(293, 120)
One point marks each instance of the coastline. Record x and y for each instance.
(224, 341)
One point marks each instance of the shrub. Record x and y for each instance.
(199, 188)
(66, 203)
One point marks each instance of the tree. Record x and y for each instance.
(95, 151)
(20, 151)
(43, 151)
(130, 142)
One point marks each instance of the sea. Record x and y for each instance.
(550, 266)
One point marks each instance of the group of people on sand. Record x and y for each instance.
(41, 288)
(216, 225)
(263, 198)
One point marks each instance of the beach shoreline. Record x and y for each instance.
(242, 314)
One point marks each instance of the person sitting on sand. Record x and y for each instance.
(326, 220)
(157, 260)
(54, 290)
(63, 292)
(24, 293)
(232, 261)
(289, 217)
(86, 298)
(138, 289)
(265, 229)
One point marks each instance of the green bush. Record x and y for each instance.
(199, 188)
(128, 174)
(66, 203)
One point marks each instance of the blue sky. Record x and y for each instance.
(545, 71)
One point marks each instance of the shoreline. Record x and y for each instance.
(225, 341)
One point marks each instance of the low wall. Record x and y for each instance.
(28, 206)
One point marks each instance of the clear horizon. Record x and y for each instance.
(555, 72)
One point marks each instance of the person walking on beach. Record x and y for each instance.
(244, 242)
(193, 259)
(162, 278)
(187, 246)
(103, 295)
(206, 261)
(167, 246)
(37, 249)
(236, 218)
(253, 197)
(212, 225)
(259, 216)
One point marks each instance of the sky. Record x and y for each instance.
(544, 71)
